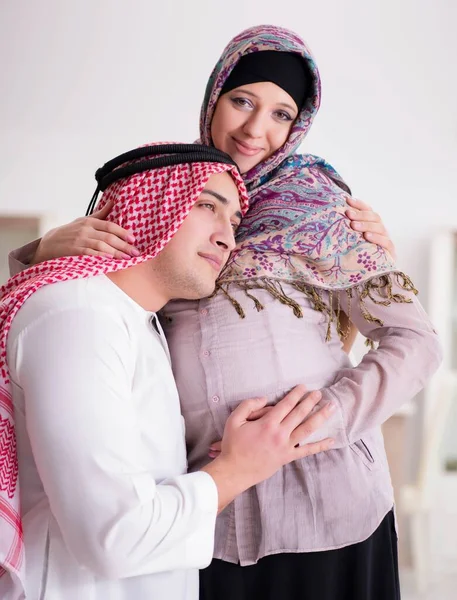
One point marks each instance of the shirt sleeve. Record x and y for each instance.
(20, 259)
(75, 368)
(408, 353)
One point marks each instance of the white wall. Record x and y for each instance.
(82, 81)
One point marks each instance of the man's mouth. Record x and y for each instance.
(214, 261)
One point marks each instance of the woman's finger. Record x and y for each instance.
(114, 242)
(90, 252)
(381, 240)
(103, 212)
(363, 215)
(111, 228)
(216, 446)
(373, 227)
(99, 248)
(358, 204)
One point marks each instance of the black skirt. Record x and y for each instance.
(364, 571)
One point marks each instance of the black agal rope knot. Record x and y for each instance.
(165, 155)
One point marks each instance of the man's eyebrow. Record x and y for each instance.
(222, 200)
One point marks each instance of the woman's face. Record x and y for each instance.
(252, 121)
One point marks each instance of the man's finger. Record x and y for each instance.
(245, 409)
(258, 414)
(312, 424)
(302, 410)
(288, 403)
(314, 448)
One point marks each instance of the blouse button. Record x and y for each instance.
(215, 398)
(204, 312)
(206, 353)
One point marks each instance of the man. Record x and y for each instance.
(106, 507)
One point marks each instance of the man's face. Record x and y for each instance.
(190, 263)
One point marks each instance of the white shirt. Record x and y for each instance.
(107, 510)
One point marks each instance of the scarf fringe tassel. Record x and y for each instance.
(378, 290)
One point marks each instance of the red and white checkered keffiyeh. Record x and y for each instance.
(153, 205)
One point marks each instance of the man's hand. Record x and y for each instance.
(253, 450)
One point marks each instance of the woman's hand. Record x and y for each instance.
(364, 220)
(87, 236)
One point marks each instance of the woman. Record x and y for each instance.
(322, 528)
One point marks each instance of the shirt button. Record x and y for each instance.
(204, 312)
(206, 353)
(215, 398)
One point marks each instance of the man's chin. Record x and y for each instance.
(206, 290)
(200, 291)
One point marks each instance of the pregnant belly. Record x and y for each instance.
(219, 360)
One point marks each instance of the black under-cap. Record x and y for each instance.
(286, 69)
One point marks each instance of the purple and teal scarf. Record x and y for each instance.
(296, 230)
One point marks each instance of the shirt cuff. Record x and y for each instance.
(202, 490)
(20, 259)
(334, 427)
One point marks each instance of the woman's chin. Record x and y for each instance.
(245, 165)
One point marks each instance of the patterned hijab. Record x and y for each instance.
(296, 231)
(153, 204)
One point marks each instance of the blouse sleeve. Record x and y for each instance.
(408, 352)
(20, 259)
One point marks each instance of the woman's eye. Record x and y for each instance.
(208, 205)
(283, 116)
(243, 102)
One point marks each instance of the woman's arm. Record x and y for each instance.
(84, 236)
(407, 355)
(87, 236)
(366, 221)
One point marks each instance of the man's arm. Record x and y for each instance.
(75, 368)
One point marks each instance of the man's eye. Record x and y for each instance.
(208, 205)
